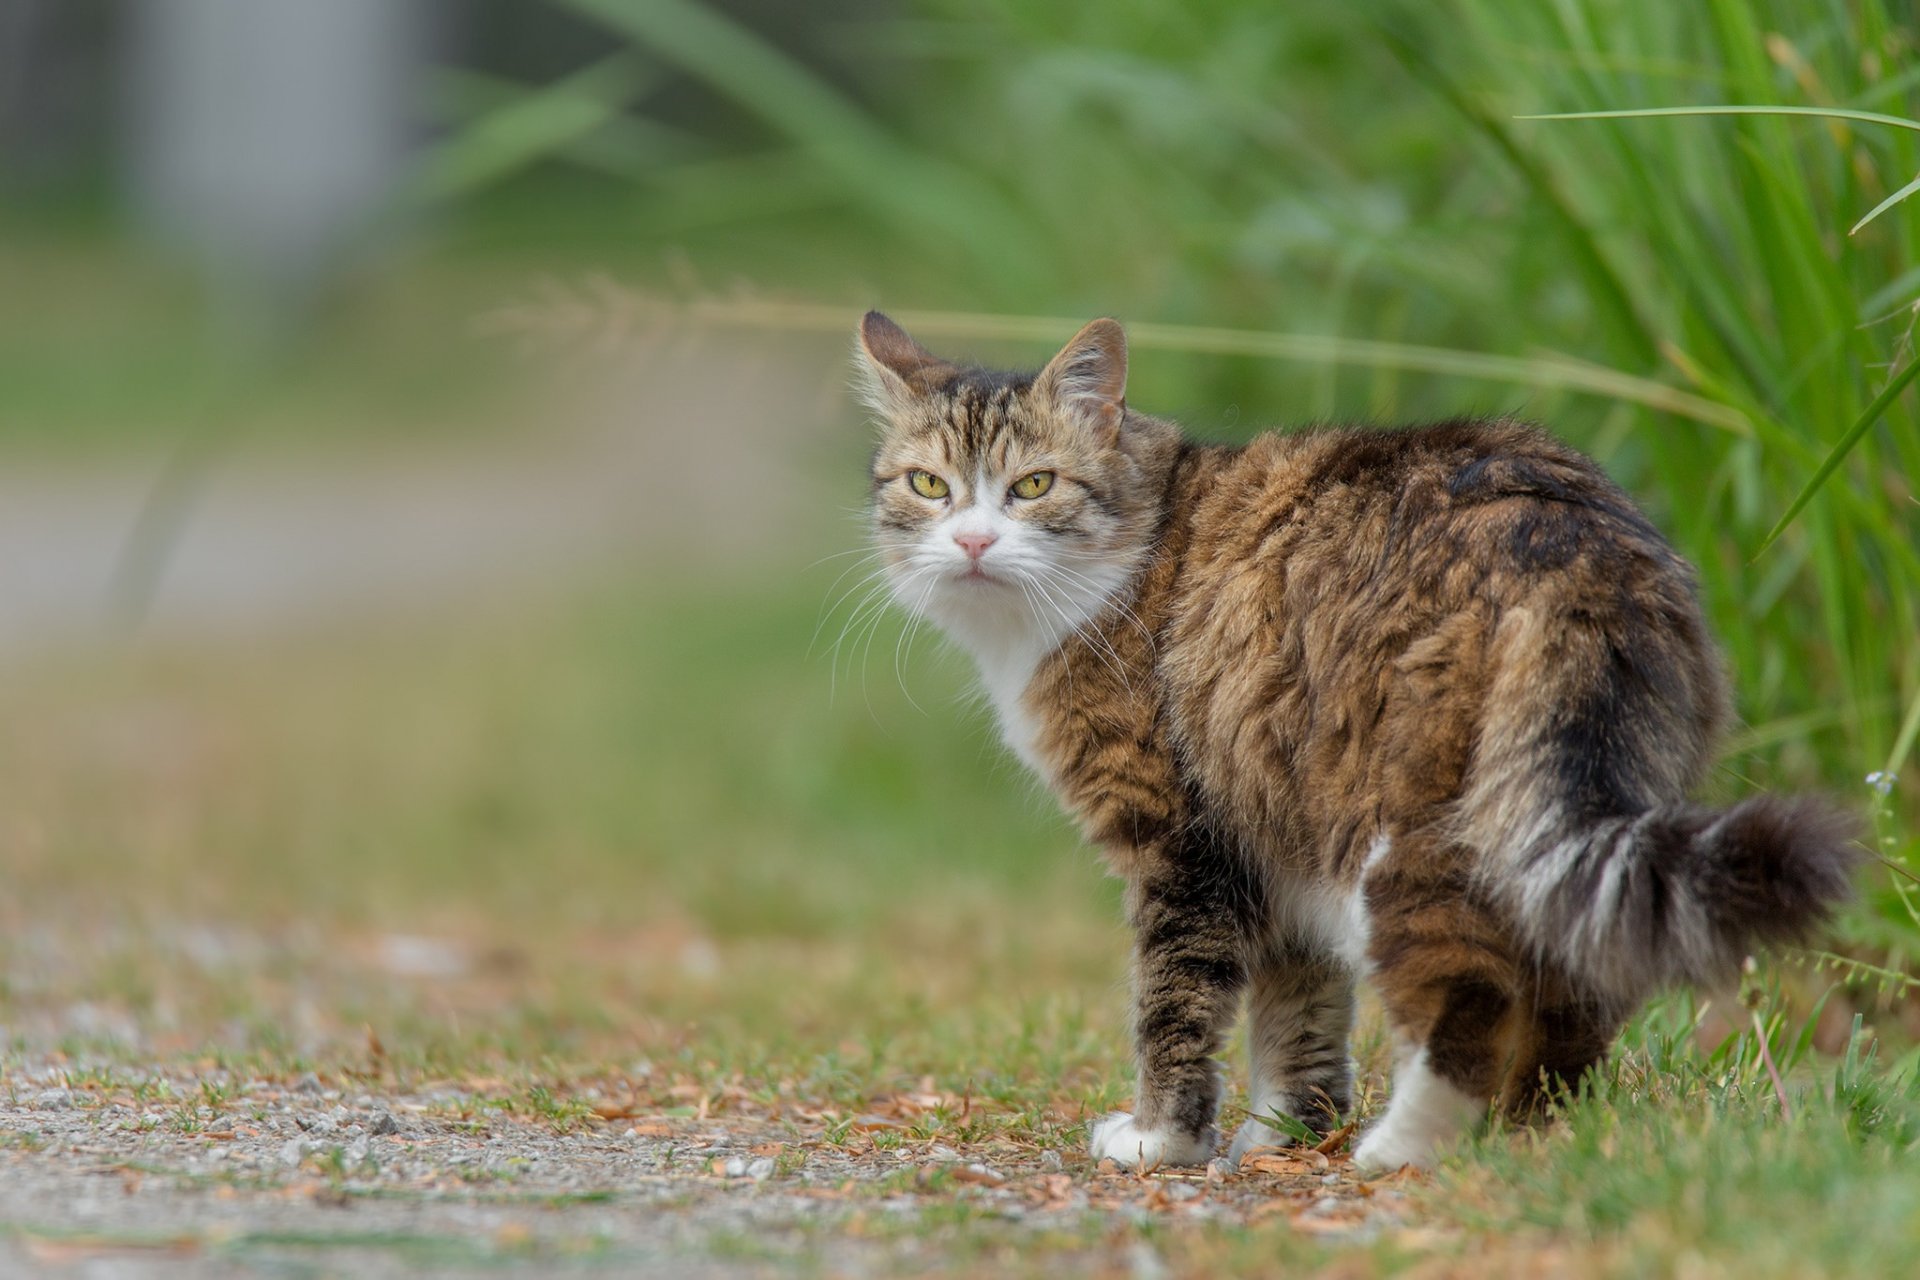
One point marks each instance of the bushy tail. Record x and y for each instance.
(1680, 894)
(1574, 805)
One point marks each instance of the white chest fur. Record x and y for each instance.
(1010, 626)
(1004, 678)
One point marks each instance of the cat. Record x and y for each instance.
(1422, 706)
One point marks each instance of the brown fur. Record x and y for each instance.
(1460, 644)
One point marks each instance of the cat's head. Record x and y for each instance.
(1005, 499)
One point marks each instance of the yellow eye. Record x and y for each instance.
(1034, 485)
(927, 484)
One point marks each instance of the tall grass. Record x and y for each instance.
(1358, 177)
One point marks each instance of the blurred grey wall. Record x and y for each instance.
(268, 134)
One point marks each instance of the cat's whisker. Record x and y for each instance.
(1094, 640)
(865, 553)
(870, 609)
(905, 642)
(874, 604)
(829, 609)
(1112, 601)
(872, 591)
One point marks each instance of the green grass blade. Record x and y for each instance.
(1629, 322)
(1903, 742)
(919, 194)
(1861, 425)
(1886, 204)
(527, 129)
(1829, 113)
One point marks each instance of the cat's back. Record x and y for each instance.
(1338, 608)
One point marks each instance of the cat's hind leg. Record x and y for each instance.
(1299, 1015)
(1566, 1035)
(1445, 966)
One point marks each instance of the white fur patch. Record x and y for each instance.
(1424, 1115)
(1119, 1139)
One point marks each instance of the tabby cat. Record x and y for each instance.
(1417, 705)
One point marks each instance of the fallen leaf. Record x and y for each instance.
(1335, 1140)
(977, 1175)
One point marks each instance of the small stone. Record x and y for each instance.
(309, 1083)
(1145, 1264)
(53, 1099)
(1050, 1161)
(736, 1167)
(1182, 1191)
(384, 1124)
(1219, 1170)
(294, 1151)
(760, 1170)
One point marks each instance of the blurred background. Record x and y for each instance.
(427, 485)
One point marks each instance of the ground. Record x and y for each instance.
(179, 1174)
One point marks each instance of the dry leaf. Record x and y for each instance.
(1333, 1141)
(976, 1174)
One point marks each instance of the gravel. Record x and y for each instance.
(306, 1175)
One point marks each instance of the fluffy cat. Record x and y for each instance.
(1422, 706)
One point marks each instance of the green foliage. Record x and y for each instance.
(1340, 175)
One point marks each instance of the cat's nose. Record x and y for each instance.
(975, 544)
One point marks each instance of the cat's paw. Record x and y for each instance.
(1390, 1146)
(1119, 1139)
(1256, 1133)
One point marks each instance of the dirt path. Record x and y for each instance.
(157, 1175)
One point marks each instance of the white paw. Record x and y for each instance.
(1256, 1133)
(1389, 1147)
(1425, 1114)
(1119, 1139)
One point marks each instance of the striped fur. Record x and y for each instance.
(1424, 704)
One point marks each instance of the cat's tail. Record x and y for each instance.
(1575, 808)
(1681, 894)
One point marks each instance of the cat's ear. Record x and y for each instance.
(1088, 379)
(892, 368)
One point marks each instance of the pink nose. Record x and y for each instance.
(975, 544)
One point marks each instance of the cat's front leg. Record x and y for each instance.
(1189, 967)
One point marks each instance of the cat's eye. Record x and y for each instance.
(1034, 485)
(927, 484)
